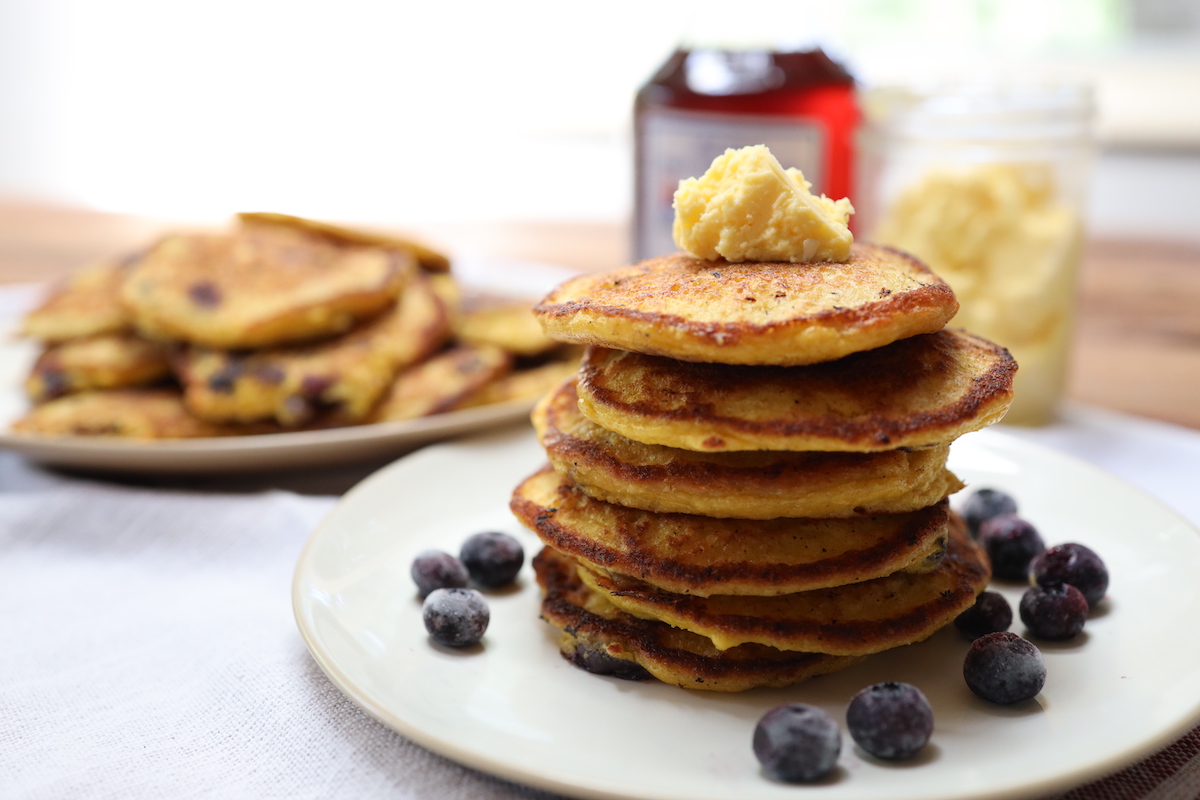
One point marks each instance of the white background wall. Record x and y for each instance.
(404, 112)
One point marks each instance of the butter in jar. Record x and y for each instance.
(986, 185)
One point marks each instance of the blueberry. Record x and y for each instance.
(1055, 611)
(455, 617)
(601, 663)
(985, 504)
(1074, 564)
(990, 613)
(1011, 543)
(433, 569)
(1004, 668)
(492, 559)
(890, 720)
(797, 742)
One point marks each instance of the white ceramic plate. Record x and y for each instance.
(513, 707)
(306, 449)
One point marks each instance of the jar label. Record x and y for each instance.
(677, 144)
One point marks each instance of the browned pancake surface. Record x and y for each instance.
(430, 260)
(103, 361)
(750, 484)
(443, 383)
(592, 625)
(86, 304)
(751, 313)
(859, 619)
(923, 390)
(704, 556)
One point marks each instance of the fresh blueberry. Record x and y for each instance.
(433, 569)
(890, 720)
(1055, 611)
(797, 743)
(1004, 668)
(985, 504)
(1074, 564)
(455, 617)
(492, 559)
(1011, 543)
(990, 613)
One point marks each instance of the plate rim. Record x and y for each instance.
(472, 759)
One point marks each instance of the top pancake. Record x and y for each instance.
(923, 390)
(751, 313)
(263, 286)
(87, 304)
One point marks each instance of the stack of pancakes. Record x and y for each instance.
(747, 477)
(280, 324)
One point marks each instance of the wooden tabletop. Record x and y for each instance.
(1136, 349)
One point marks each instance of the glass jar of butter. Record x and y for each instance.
(987, 184)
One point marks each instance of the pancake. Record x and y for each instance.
(923, 390)
(752, 484)
(507, 324)
(124, 413)
(260, 288)
(103, 361)
(293, 384)
(854, 620)
(443, 383)
(522, 384)
(601, 638)
(780, 313)
(86, 304)
(704, 556)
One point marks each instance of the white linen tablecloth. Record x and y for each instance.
(150, 651)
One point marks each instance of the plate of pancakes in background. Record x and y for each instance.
(281, 343)
(743, 498)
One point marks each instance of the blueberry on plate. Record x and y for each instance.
(434, 569)
(1011, 543)
(890, 720)
(492, 559)
(1004, 668)
(990, 613)
(797, 743)
(1055, 611)
(985, 504)
(455, 617)
(1074, 564)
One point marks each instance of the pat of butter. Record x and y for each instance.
(747, 207)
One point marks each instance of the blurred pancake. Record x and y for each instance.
(854, 620)
(601, 638)
(507, 324)
(429, 259)
(682, 307)
(260, 288)
(521, 384)
(86, 304)
(703, 556)
(293, 384)
(125, 413)
(923, 390)
(752, 484)
(103, 361)
(443, 383)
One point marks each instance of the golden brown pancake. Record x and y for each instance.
(103, 361)
(293, 384)
(703, 556)
(923, 390)
(682, 307)
(443, 383)
(507, 324)
(752, 484)
(260, 288)
(854, 620)
(125, 413)
(600, 638)
(86, 304)
(429, 259)
(522, 384)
